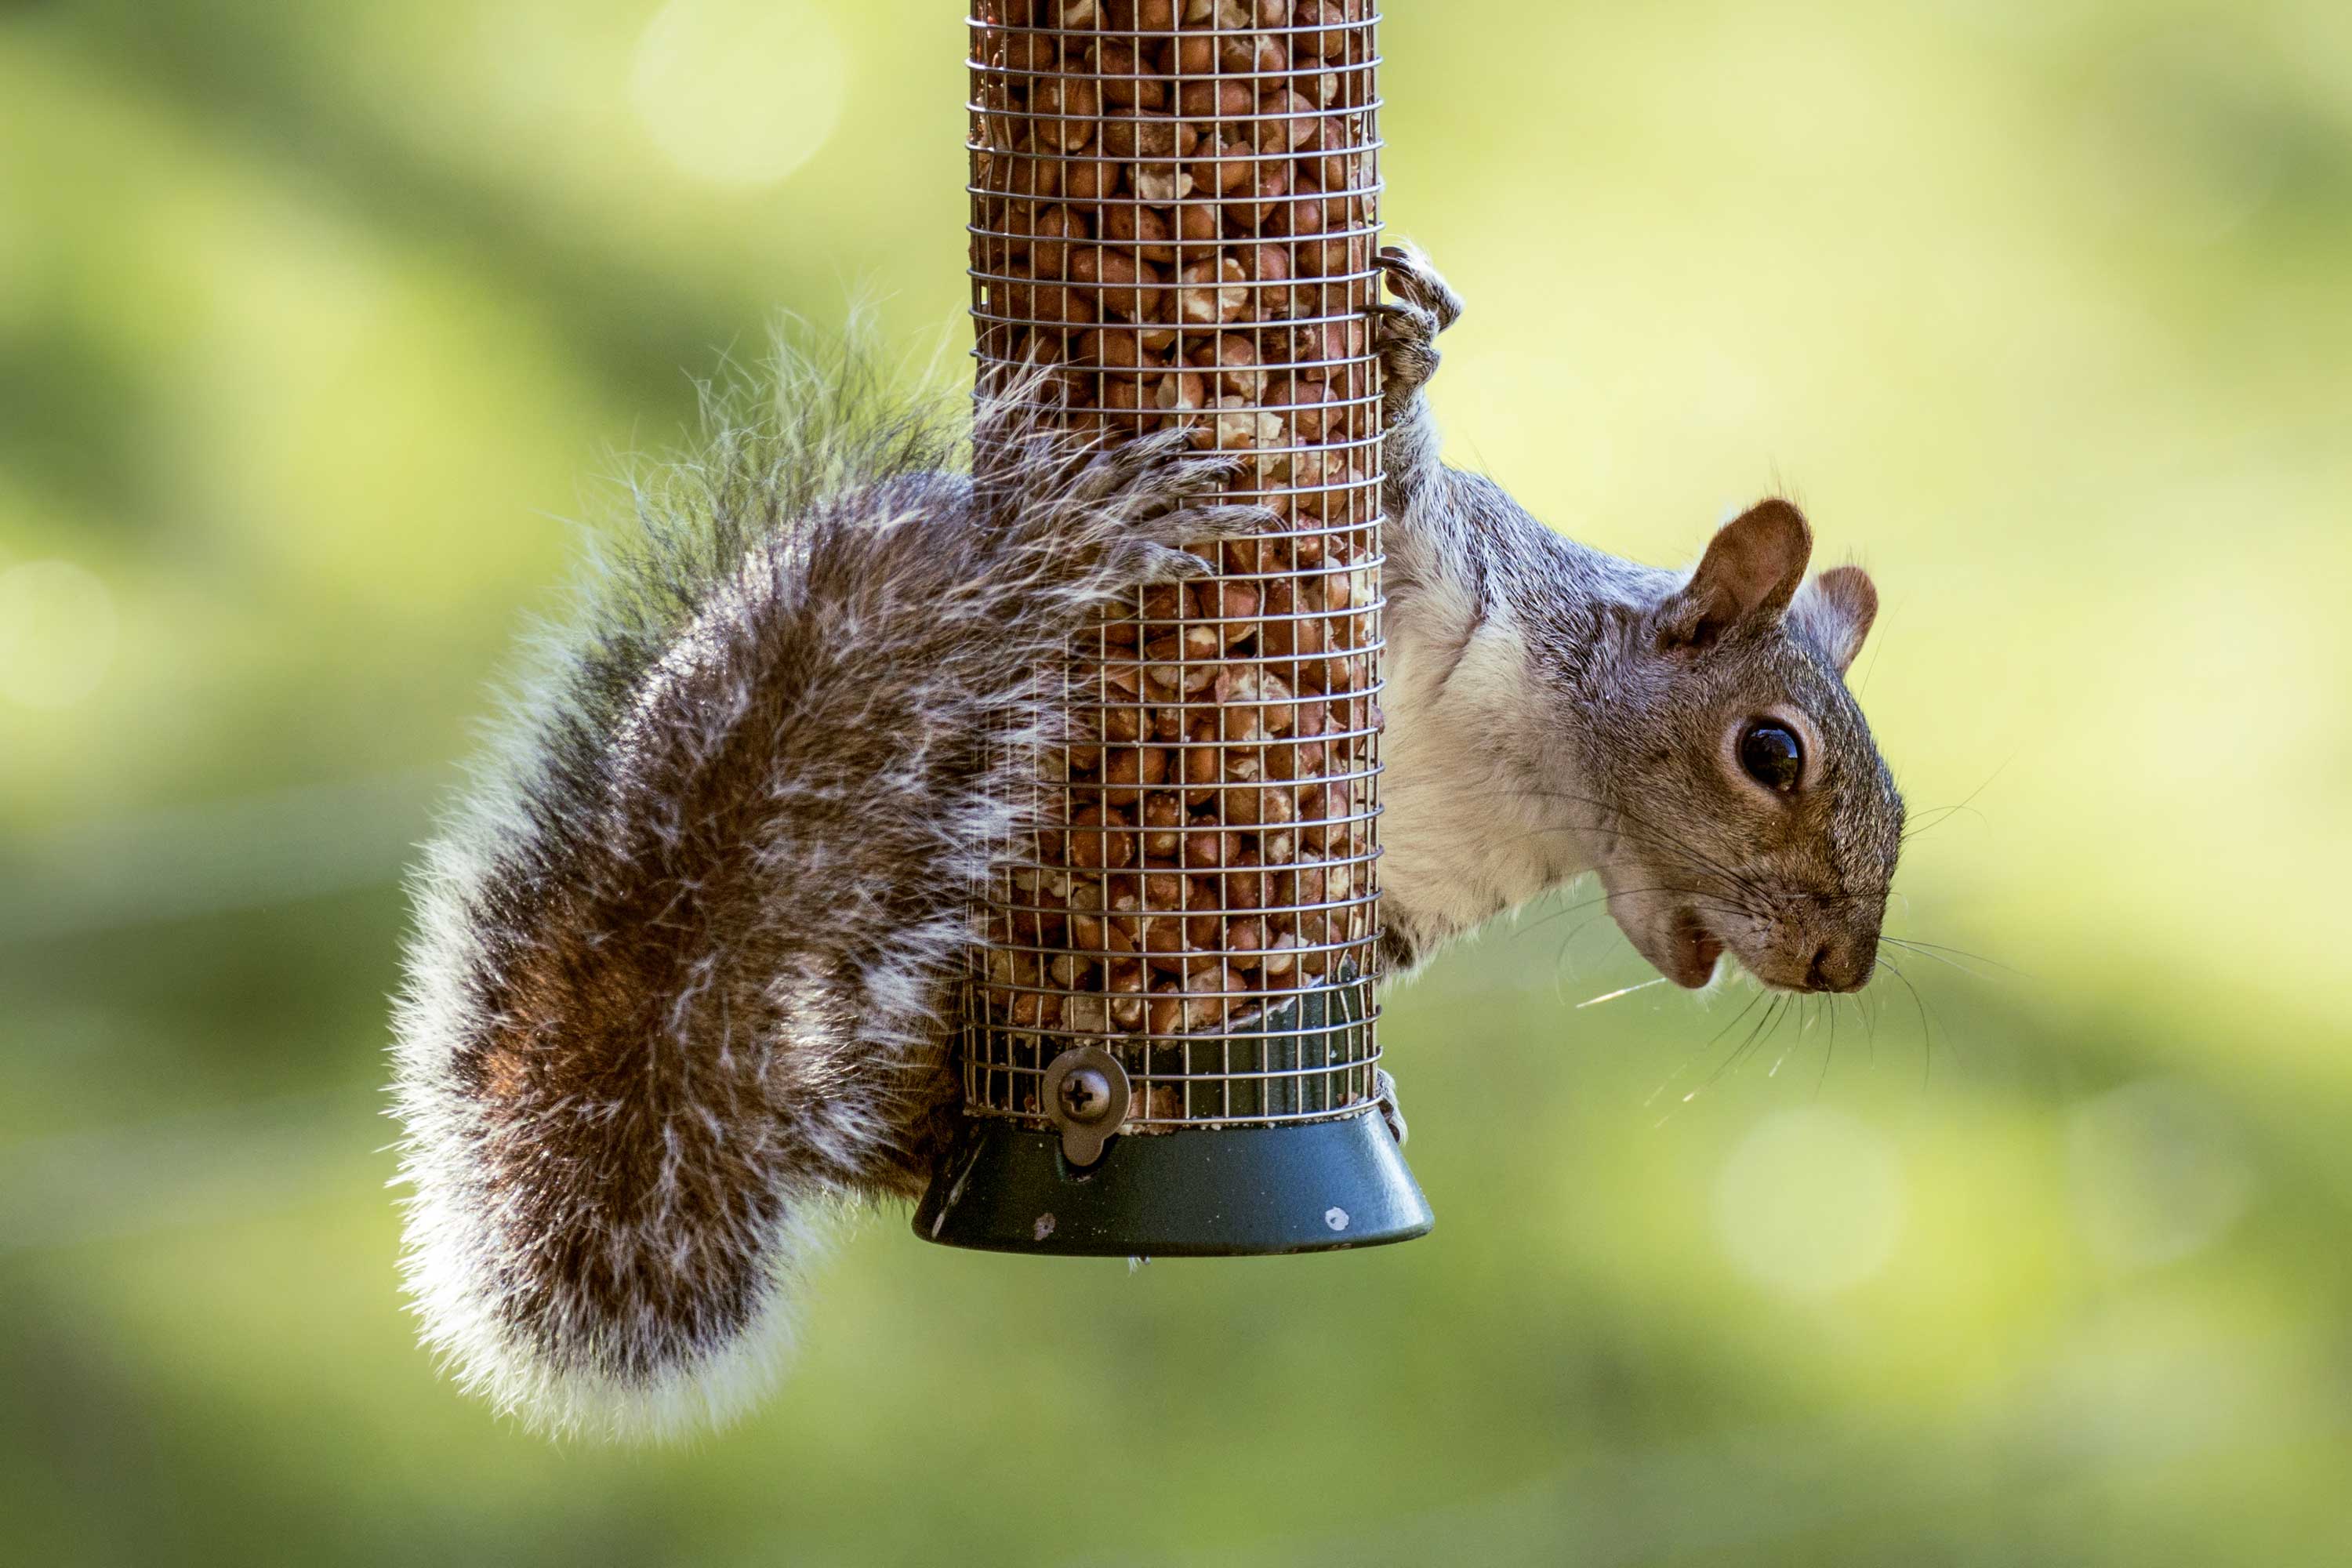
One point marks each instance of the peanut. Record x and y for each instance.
(1146, 228)
(1124, 82)
(1172, 210)
(1063, 110)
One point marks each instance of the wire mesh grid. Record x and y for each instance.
(1174, 207)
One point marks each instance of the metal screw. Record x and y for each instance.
(1086, 1091)
(1086, 1095)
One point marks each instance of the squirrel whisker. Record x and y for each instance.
(684, 962)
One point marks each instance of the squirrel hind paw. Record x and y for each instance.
(1413, 278)
(1159, 464)
(1157, 551)
(1151, 564)
(1190, 473)
(1208, 524)
(1404, 336)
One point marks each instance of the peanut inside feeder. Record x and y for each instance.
(1174, 205)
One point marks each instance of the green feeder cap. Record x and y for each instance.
(1308, 1186)
(1082, 1187)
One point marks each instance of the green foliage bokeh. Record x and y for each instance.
(320, 323)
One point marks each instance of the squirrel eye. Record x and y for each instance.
(1772, 756)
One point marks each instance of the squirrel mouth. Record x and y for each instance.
(1696, 951)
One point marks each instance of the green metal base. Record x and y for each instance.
(1310, 1186)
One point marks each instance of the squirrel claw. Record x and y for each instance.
(1405, 330)
(1412, 278)
(1160, 564)
(1236, 520)
(1405, 338)
(1200, 475)
(1160, 556)
(1156, 461)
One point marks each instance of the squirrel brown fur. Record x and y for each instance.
(683, 960)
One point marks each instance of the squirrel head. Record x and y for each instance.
(1742, 805)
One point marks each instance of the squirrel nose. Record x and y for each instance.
(1843, 966)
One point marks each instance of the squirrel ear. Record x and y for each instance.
(1748, 575)
(1836, 610)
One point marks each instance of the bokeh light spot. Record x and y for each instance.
(740, 92)
(1810, 1203)
(57, 628)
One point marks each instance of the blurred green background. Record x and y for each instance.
(318, 323)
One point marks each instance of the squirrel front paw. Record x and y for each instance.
(1385, 1095)
(1405, 330)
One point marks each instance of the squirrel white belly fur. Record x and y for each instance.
(681, 965)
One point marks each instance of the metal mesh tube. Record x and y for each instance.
(1175, 203)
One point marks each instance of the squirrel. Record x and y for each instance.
(682, 965)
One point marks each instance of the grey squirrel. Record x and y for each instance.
(682, 962)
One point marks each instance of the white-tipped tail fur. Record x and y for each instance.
(680, 962)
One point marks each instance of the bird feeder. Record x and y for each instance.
(1170, 1044)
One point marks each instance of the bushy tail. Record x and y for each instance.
(677, 965)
